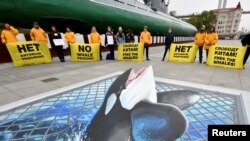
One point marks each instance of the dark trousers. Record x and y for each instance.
(166, 51)
(200, 53)
(59, 51)
(207, 53)
(100, 52)
(146, 46)
(112, 51)
(246, 55)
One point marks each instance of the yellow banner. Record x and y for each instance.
(131, 52)
(28, 53)
(182, 53)
(85, 52)
(226, 56)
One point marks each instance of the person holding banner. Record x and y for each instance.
(130, 37)
(109, 41)
(199, 41)
(57, 42)
(70, 36)
(95, 38)
(8, 34)
(211, 39)
(168, 41)
(146, 39)
(37, 33)
(246, 42)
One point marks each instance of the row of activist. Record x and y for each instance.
(206, 40)
(201, 39)
(9, 33)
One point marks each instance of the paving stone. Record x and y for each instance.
(26, 81)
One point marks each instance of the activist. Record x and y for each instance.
(53, 36)
(146, 39)
(246, 42)
(109, 42)
(199, 41)
(130, 37)
(211, 38)
(8, 34)
(95, 38)
(120, 37)
(169, 38)
(37, 33)
(70, 36)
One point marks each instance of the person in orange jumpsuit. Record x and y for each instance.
(146, 39)
(95, 38)
(8, 34)
(199, 41)
(211, 39)
(70, 36)
(37, 33)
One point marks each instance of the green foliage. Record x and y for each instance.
(173, 13)
(207, 18)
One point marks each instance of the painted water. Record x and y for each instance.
(65, 117)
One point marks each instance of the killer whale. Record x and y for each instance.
(146, 120)
(180, 98)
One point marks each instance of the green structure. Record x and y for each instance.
(82, 14)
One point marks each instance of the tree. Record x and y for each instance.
(207, 18)
(173, 13)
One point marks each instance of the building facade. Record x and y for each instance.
(228, 20)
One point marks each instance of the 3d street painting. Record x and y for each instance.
(131, 106)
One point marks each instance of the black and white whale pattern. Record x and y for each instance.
(146, 121)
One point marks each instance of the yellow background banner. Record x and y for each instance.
(226, 56)
(85, 52)
(182, 53)
(131, 52)
(28, 53)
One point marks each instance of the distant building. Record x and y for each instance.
(228, 20)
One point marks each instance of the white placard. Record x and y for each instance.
(136, 39)
(58, 42)
(79, 38)
(48, 43)
(65, 43)
(110, 40)
(103, 39)
(21, 37)
(155, 39)
(89, 38)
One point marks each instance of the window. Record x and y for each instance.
(119, 1)
(130, 5)
(223, 17)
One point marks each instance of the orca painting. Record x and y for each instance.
(133, 111)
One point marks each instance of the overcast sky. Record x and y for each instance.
(184, 7)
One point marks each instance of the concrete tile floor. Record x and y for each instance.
(23, 82)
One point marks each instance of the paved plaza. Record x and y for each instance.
(23, 82)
